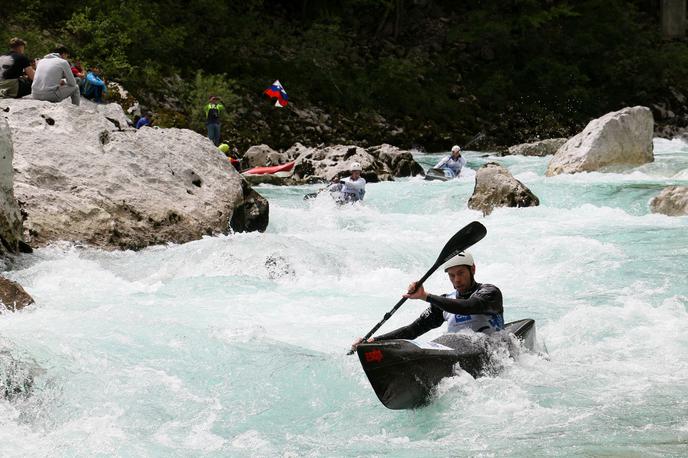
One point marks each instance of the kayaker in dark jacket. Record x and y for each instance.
(476, 306)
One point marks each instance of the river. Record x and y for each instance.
(235, 345)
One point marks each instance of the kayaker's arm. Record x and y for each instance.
(431, 318)
(487, 299)
(442, 162)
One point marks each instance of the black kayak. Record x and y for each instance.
(404, 373)
(436, 175)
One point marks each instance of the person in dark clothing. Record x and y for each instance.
(16, 72)
(475, 306)
(212, 110)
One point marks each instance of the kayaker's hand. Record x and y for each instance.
(416, 291)
(358, 341)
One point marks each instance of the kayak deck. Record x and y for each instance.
(404, 373)
(272, 170)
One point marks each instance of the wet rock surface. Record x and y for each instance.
(496, 187)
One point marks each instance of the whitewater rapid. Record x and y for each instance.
(235, 345)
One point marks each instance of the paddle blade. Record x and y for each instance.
(465, 238)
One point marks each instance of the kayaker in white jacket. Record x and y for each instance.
(451, 165)
(351, 188)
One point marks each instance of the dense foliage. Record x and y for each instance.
(425, 72)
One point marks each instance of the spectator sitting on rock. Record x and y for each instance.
(54, 81)
(145, 120)
(78, 72)
(16, 72)
(94, 86)
(232, 154)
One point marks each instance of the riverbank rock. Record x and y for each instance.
(620, 138)
(113, 112)
(10, 216)
(540, 148)
(262, 156)
(672, 201)
(400, 163)
(381, 163)
(12, 296)
(496, 187)
(252, 214)
(82, 178)
(326, 163)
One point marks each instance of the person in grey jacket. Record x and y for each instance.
(54, 80)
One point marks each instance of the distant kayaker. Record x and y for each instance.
(351, 188)
(451, 165)
(476, 306)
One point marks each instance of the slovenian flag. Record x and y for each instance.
(276, 91)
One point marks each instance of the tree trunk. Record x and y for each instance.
(673, 13)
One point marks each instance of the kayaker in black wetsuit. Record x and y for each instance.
(476, 306)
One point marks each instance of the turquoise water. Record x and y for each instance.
(203, 349)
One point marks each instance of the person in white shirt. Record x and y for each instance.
(451, 165)
(351, 188)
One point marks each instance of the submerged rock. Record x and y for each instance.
(12, 296)
(672, 201)
(278, 267)
(540, 148)
(496, 187)
(10, 216)
(81, 178)
(16, 376)
(620, 138)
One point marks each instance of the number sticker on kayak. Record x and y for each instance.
(430, 345)
(374, 356)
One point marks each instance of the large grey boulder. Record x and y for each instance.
(672, 201)
(12, 296)
(113, 112)
(620, 138)
(82, 178)
(540, 148)
(10, 216)
(496, 187)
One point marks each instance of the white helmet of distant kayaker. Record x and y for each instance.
(462, 259)
(456, 148)
(355, 166)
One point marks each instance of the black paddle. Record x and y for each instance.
(466, 237)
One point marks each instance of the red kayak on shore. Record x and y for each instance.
(284, 169)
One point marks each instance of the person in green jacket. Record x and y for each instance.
(212, 118)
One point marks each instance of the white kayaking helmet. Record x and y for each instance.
(456, 148)
(355, 166)
(462, 259)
